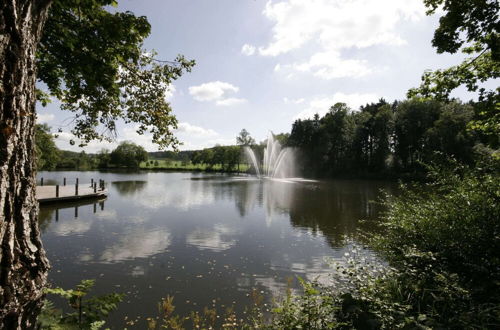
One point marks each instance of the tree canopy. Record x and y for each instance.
(47, 153)
(128, 154)
(244, 138)
(92, 59)
(471, 27)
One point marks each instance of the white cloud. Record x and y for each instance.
(329, 65)
(230, 101)
(293, 101)
(334, 26)
(321, 105)
(216, 91)
(211, 91)
(248, 50)
(169, 93)
(193, 130)
(63, 142)
(138, 244)
(44, 117)
(218, 239)
(128, 133)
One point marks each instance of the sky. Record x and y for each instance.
(262, 64)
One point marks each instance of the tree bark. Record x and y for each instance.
(23, 264)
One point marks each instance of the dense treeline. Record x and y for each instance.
(228, 157)
(383, 138)
(49, 157)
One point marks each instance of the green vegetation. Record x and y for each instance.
(128, 154)
(89, 313)
(244, 138)
(441, 240)
(167, 164)
(442, 243)
(104, 84)
(47, 153)
(384, 139)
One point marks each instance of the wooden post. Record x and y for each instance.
(57, 191)
(91, 182)
(64, 181)
(41, 182)
(76, 180)
(95, 187)
(76, 188)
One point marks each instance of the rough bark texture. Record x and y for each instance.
(23, 265)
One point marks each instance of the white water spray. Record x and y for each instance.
(277, 162)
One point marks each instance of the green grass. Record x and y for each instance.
(164, 164)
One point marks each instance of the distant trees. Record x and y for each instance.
(47, 153)
(381, 137)
(228, 157)
(244, 138)
(128, 154)
(103, 158)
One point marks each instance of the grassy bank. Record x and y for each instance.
(162, 164)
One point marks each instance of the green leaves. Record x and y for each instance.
(472, 27)
(89, 313)
(92, 60)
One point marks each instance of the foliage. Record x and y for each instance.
(103, 158)
(442, 242)
(208, 319)
(47, 153)
(128, 154)
(227, 157)
(383, 138)
(472, 27)
(244, 138)
(92, 60)
(88, 313)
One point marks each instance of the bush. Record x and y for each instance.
(442, 243)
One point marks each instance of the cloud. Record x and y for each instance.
(293, 101)
(44, 117)
(218, 239)
(321, 105)
(138, 244)
(248, 50)
(193, 130)
(169, 92)
(230, 101)
(333, 26)
(128, 133)
(329, 65)
(211, 91)
(63, 142)
(216, 91)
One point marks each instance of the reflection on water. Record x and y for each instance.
(138, 244)
(202, 237)
(131, 187)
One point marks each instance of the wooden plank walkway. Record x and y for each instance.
(45, 194)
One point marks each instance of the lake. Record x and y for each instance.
(203, 238)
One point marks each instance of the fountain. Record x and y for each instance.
(278, 162)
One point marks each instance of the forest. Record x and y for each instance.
(388, 139)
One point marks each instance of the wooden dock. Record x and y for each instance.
(48, 194)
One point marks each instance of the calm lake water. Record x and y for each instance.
(202, 238)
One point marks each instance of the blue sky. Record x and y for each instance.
(262, 64)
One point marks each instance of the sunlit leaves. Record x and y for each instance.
(92, 60)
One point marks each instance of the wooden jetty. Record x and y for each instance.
(58, 193)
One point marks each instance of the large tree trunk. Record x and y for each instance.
(23, 265)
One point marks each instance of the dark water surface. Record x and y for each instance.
(202, 238)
